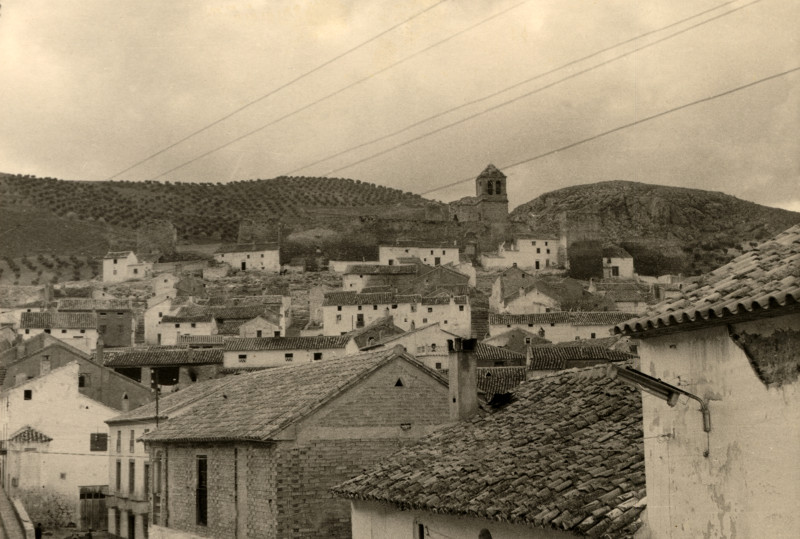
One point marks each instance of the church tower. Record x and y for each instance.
(490, 189)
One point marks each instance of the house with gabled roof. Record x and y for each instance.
(250, 256)
(722, 452)
(359, 276)
(248, 353)
(260, 456)
(116, 319)
(432, 253)
(617, 263)
(57, 438)
(168, 368)
(565, 458)
(119, 266)
(130, 489)
(377, 331)
(516, 339)
(77, 328)
(560, 326)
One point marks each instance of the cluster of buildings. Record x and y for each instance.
(410, 403)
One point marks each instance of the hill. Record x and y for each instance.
(199, 211)
(701, 228)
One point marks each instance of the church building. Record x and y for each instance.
(490, 203)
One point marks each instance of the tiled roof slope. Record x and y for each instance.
(567, 454)
(246, 247)
(29, 435)
(575, 318)
(89, 304)
(170, 403)
(385, 298)
(58, 320)
(764, 279)
(286, 343)
(551, 354)
(224, 301)
(488, 352)
(375, 269)
(258, 405)
(162, 356)
(117, 254)
(217, 340)
(499, 380)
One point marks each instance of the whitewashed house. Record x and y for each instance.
(250, 256)
(343, 312)
(172, 326)
(279, 351)
(722, 452)
(617, 263)
(560, 326)
(530, 252)
(119, 266)
(431, 253)
(78, 329)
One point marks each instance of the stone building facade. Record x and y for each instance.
(490, 202)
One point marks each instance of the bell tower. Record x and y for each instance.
(490, 189)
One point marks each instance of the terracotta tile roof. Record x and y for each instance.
(615, 251)
(354, 298)
(547, 363)
(183, 316)
(375, 269)
(117, 254)
(549, 354)
(567, 454)
(573, 318)
(425, 244)
(246, 247)
(48, 320)
(170, 404)
(42, 341)
(487, 352)
(29, 435)
(89, 304)
(162, 356)
(230, 328)
(499, 380)
(238, 312)
(286, 343)
(376, 289)
(258, 405)
(202, 339)
(764, 279)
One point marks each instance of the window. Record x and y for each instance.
(160, 315)
(119, 476)
(527, 340)
(288, 356)
(83, 380)
(98, 441)
(117, 519)
(338, 307)
(119, 441)
(194, 325)
(431, 251)
(135, 271)
(545, 243)
(63, 331)
(430, 309)
(242, 358)
(593, 336)
(317, 356)
(533, 243)
(277, 333)
(359, 307)
(433, 347)
(338, 317)
(445, 321)
(438, 365)
(202, 492)
(47, 331)
(424, 320)
(27, 332)
(548, 251)
(146, 479)
(27, 394)
(374, 307)
(132, 476)
(262, 255)
(615, 271)
(83, 331)
(177, 325)
(538, 250)
(394, 306)
(115, 261)
(413, 308)
(133, 442)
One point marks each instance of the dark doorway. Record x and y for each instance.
(244, 266)
(93, 507)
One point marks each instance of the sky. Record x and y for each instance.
(92, 87)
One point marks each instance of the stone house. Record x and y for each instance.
(130, 486)
(116, 320)
(119, 266)
(560, 326)
(77, 329)
(532, 252)
(258, 458)
(360, 276)
(564, 459)
(168, 367)
(248, 353)
(262, 325)
(250, 256)
(432, 253)
(172, 326)
(157, 308)
(343, 312)
(725, 465)
(490, 203)
(617, 263)
(42, 354)
(50, 453)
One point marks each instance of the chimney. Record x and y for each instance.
(99, 348)
(126, 403)
(463, 378)
(514, 265)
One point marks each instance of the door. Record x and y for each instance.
(359, 320)
(93, 507)
(437, 261)
(244, 265)
(131, 525)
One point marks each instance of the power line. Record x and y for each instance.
(507, 88)
(540, 89)
(625, 126)
(343, 89)
(278, 89)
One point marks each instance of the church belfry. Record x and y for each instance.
(490, 189)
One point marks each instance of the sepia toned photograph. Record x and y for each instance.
(428, 269)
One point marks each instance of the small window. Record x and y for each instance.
(398, 383)
(374, 307)
(63, 331)
(177, 325)
(135, 271)
(445, 322)
(27, 394)
(338, 307)
(548, 251)
(133, 441)
(242, 358)
(317, 356)
(359, 307)
(538, 250)
(277, 334)
(83, 380)
(119, 442)
(83, 331)
(430, 309)
(119, 477)
(160, 315)
(27, 332)
(424, 320)
(47, 331)
(201, 493)
(433, 347)
(438, 365)
(533, 243)
(194, 325)
(394, 306)
(594, 335)
(460, 307)
(338, 317)
(288, 356)
(413, 308)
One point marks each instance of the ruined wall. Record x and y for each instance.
(158, 236)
